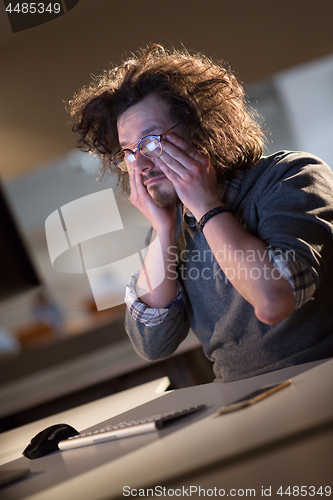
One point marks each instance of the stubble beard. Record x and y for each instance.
(163, 199)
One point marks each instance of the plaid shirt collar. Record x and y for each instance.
(227, 191)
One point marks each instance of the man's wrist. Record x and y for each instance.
(166, 235)
(200, 210)
(209, 215)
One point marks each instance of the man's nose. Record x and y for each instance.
(142, 163)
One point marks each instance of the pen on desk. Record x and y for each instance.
(252, 398)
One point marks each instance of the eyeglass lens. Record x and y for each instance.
(150, 147)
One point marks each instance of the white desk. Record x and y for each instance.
(222, 451)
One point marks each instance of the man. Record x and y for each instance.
(242, 244)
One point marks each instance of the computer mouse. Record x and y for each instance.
(46, 441)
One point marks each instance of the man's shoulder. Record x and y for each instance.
(286, 159)
(285, 163)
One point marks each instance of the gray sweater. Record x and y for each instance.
(286, 200)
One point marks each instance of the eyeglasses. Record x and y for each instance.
(149, 146)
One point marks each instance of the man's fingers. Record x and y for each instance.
(133, 184)
(173, 174)
(182, 145)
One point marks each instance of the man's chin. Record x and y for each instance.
(164, 200)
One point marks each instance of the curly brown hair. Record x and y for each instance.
(204, 97)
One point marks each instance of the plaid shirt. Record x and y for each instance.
(299, 276)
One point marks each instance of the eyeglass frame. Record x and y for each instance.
(158, 137)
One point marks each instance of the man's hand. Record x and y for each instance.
(191, 174)
(159, 218)
(157, 261)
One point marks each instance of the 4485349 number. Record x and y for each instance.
(34, 8)
(304, 491)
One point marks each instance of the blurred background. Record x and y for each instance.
(283, 53)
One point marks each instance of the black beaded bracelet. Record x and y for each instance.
(205, 218)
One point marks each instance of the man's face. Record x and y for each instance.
(149, 116)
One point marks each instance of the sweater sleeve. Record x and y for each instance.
(295, 210)
(155, 333)
(293, 270)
